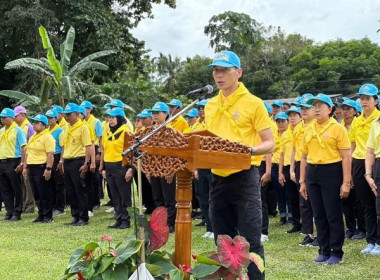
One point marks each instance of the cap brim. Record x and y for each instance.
(5, 116)
(368, 94)
(67, 112)
(221, 64)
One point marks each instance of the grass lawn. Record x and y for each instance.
(31, 251)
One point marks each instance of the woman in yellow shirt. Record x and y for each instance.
(372, 162)
(358, 134)
(119, 178)
(326, 151)
(37, 166)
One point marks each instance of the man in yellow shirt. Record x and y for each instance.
(61, 116)
(12, 142)
(237, 115)
(76, 161)
(179, 124)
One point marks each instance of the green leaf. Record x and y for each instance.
(67, 50)
(96, 55)
(91, 245)
(258, 261)
(90, 271)
(78, 68)
(30, 63)
(202, 270)
(75, 256)
(105, 263)
(155, 270)
(206, 260)
(120, 272)
(67, 87)
(79, 267)
(127, 251)
(19, 95)
(176, 274)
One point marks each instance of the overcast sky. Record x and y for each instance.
(179, 31)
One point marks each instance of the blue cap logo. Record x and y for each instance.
(281, 116)
(192, 113)
(322, 98)
(117, 103)
(225, 59)
(7, 112)
(144, 114)
(40, 118)
(368, 89)
(70, 108)
(175, 102)
(51, 113)
(160, 107)
(87, 104)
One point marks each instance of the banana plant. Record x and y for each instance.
(58, 78)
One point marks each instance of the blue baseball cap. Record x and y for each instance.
(117, 111)
(202, 103)
(144, 114)
(70, 108)
(225, 59)
(107, 112)
(192, 113)
(106, 106)
(296, 101)
(40, 118)
(269, 108)
(321, 97)
(52, 113)
(350, 103)
(82, 110)
(58, 109)
(368, 89)
(87, 104)
(278, 103)
(116, 103)
(305, 98)
(281, 116)
(293, 109)
(175, 102)
(160, 107)
(358, 105)
(7, 112)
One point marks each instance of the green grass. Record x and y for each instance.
(41, 251)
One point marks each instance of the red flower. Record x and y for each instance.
(233, 254)
(114, 254)
(80, 276)
(107, 237)
(159, 230)
(88, 254)
(185, 268)
(194, 256)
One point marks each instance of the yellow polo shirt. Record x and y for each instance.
(179, 124)
(322, 143)
(113, 144)
(237, 118)
(359, 132)
(374, 137)
(75, 140)
(298, 138)
(91, 130)
(38, 146)
(11, 141)
(276, 139)
(195, 127)
(63, 123)
(286, 145)
(97, 128)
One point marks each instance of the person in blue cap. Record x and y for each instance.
(326, 151)
(237, 115)
(277, 107)
(120, 104)
(163, 189)
(146, 118)
(349, 111)
(359, 133)
(61, 116)
(192, 120)
(12, 143)
(76, 158)
(38, 164)
(56, 182)
(179, 124)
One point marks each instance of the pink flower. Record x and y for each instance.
(194, 256)
(233, 253)
(107, 237)
(159, 230)
(88, 254)
(114, 254)
(185, 268)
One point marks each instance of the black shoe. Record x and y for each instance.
(348, 234)
(73, 222)
(306, 241)
(282, 222)
(358, 235)
(7, 218)
(47, 220)
(314, 244)
(201, 224)
(171, 229)
(124, 225)
(294, 229)
(273, 214)
(38, 220)
(80, 223)
(198, 216)
(15, 219)
(115, 225)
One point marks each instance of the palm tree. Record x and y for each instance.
(58, 80)
(168, 70)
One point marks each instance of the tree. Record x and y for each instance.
(168, 69)
(234, 31)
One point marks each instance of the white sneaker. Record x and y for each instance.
(90, 214)
(110, 210)
(264, 238)
(211, 235)
(207, 234)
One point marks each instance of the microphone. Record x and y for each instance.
(205, 90)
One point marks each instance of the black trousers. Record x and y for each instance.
(367, 199)
(89, 182)
(58, 186)
(377, 181)
(323, 182)
(120, 189)
(164, 195)
(76, 189)
(353, 212)
(42, 190)
(292, 190)
(235, 208)
(10, 187)
(264, 203)
(146, 188)
(306, 210)
(203, 187)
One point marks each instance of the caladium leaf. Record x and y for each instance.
(258, 261)
(233, 253)
(159, 230)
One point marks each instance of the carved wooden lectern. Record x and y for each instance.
(168, 152)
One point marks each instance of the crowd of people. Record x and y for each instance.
(314, 161)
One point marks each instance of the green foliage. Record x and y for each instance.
(168, 69)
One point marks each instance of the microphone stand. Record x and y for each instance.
(139, 141)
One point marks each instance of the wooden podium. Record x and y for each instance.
(169, 152)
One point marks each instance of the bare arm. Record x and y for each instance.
(293, 165)
(267, 142)
(49, 164)
(369, 162)
(268, 169)
(281, 176)
(302, 181)
(346, 165)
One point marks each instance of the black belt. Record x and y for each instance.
(67, 160)
(6, 160)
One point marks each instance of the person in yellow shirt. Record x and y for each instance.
(76, 158)
(12, 142)
(237, 115)
(192, 120)
(277, 107)
(358, 134)
(325, 174)
(61, 116)
(349, 112)
(372, 174)
(38, 163)
(119, 177)
(118, 103)
(146, 118)
(179, 124)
